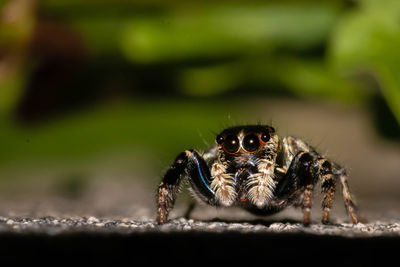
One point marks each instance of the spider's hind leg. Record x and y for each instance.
(347, 197)
(329, 173)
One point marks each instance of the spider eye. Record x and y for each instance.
(265, 137)
(231, 144)
(219, 139)
(251, 143)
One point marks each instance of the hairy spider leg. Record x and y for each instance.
(190, 165)
(327, 172)
(347, 196)
(328, 187)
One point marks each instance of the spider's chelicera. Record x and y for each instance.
(251, 167)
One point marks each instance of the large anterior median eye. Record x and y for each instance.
(251, 143)
(231, 144)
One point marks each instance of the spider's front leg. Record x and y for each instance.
(188, 164)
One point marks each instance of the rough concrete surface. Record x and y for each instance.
(57, 225)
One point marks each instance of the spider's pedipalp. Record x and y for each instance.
(223, 184)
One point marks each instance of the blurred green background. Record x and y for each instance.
(109, 89)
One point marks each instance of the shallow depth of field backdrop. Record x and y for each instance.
(98, 97)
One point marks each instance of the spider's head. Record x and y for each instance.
(246, 140)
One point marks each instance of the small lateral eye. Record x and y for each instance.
(231, 144)
(264, 136)
(219, 139)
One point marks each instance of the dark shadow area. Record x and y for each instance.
(269, 221)
(258, 221)
(203, 248)
(383, 119)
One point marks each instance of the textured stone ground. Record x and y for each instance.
(58, 225)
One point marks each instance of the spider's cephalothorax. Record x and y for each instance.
(251, 167)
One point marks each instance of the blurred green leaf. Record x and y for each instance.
(100, 34)
(305, 78)
(11, 88)
(215, 31)
(368, 40)
(210, 80)
(314, 79)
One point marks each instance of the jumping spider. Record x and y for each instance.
(251, 167)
